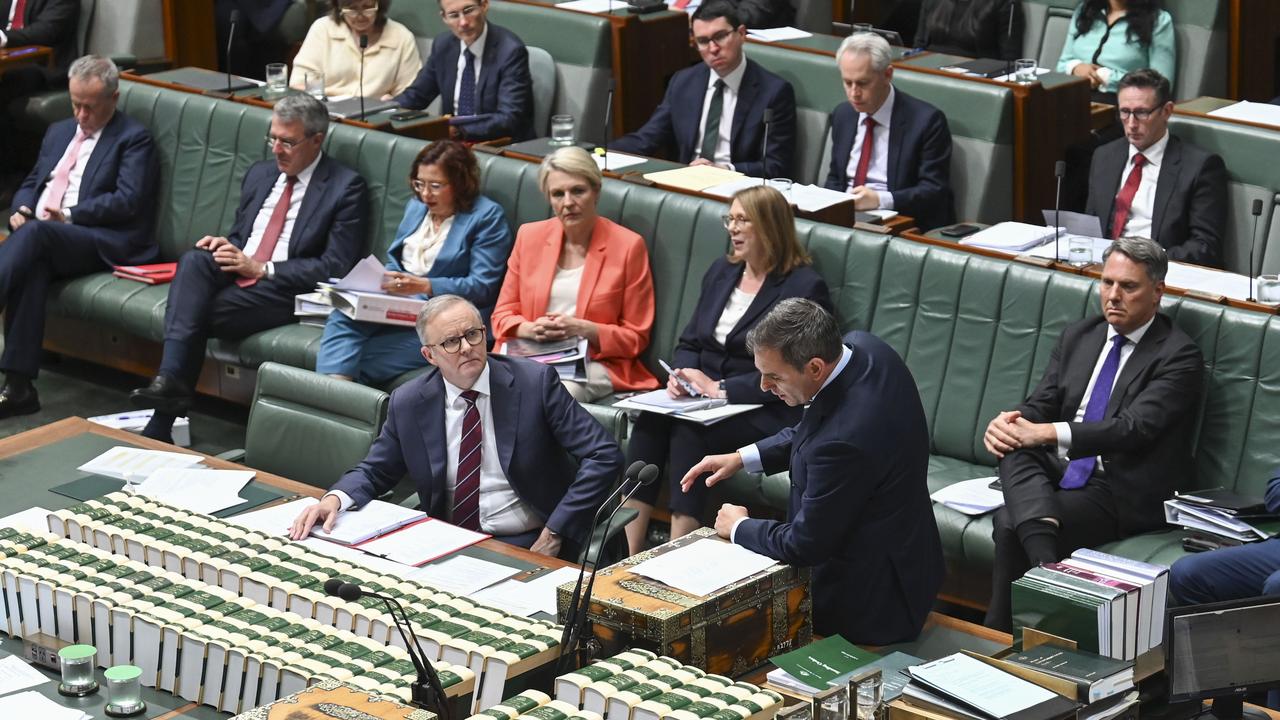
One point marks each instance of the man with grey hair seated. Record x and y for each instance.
(1095, 449)
(859, 511)
(301, 220)
(889, 150)
(88, 204)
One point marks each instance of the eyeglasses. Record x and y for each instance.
(357, 12)
(1142, 115)
(421, 187)
(286, 144)
(718, 39)
(452, 345)
(730, 220)
(457, 15)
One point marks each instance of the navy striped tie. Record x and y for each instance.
(466, 492)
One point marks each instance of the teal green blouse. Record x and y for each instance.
(1118, 54)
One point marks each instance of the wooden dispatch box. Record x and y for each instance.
(730, 632)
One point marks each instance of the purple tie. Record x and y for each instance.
(466, 492)
(1079, 470)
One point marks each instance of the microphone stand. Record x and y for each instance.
(1256, 211)
(1059, 169)
(608, 117)
(231, 35)
(767, 120)
(364, 45)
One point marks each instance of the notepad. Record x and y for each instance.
(133, 464)
(420, 542)
(694, 178)
(377, 518)
(196, 489)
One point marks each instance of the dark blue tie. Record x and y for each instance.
(1079, 470)
(467, 88)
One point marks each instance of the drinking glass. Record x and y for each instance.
(314, 84)
(277, 79)
(1024, 71)
(124, 691)
(77, 663)
(870, 694)
(1079, 251)
(562, 130)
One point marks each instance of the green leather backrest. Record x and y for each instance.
(308, 427)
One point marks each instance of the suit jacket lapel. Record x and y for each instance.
(591, 270)
(842, 146)
(694, 102)
(310, 201)
(763, 300)
(718, 298)
(747, 92)
(431, 427)
(504, 404)
(543, 270)
(1142, 356)
(1076, 377)
(897, 129)
(1170, 166)
(108, 138)
(1113, 174)
(448, 103)
(488, 65)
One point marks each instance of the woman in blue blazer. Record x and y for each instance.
(451, 241)
(765, 264)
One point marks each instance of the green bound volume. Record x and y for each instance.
(1056, 611)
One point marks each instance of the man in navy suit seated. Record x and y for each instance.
(492, 443)
(727, 93)
(889, 150)
(87, 204)
(859, 511)
(480, 71)
(301, 220)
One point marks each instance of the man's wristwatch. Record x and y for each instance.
(270, 271)
(722, 390)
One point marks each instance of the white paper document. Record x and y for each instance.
(777, 34)
(35, 519)
(366, 276)
(273, 519)
(1009, 237)
(133, 464)
(614, 161)
(699, 410)
(971, 497)
(1207, 280)
(528, 598)
(1010, 77)
(376, 518)
(461, 575)
(1208, 519)
(16, 674)
(1255, 112)
(703, 567)
(31, 704)
(981, 686)
(594, 6)
(355, 557)
(196, 489)
(812, 198)
(422, 542)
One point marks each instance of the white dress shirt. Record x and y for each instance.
(4, 39)
(477, 49)
(501, 510)
(1144, 201)
(733, 311)
(728, 104)
(1126, 351)
(751, 453)
(878, 169)
(72, 195)
(281, 251)
(423, 247)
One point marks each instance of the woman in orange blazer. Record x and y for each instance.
(578, 274)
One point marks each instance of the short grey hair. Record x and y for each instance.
(304, 108)
(871, 44)
(573, 160)
(92, 67)
(1144, 251)
(799, 329)
(437, 305)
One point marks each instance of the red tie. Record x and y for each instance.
(864, 160)
(1124, 201)
(466, 490)
(680, 4)
(275, 226)
(19, 15)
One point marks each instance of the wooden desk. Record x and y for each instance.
(1253, 63)
(25, 55)
(1202, 106)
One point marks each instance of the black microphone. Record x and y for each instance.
(426, 691)
(364, 45)
(608, 125)
(1059, 169)
(231, 34)
(767, 119)
(1256, 211)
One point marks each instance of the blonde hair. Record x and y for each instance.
(572, 160)
(775, 228)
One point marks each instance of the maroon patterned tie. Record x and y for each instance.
(466, 492)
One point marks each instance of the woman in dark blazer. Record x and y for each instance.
(451, 241)
(765, 264)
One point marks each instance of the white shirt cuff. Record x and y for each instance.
(886, 200)
(1064, 438)
(751, 459)
(4, 39)
(1071, 65)
(344, 500)
(733, 531)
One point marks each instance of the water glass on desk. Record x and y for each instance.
(1079, 251)
(562, 130)
(314, 85)
(1024, 71)
(1269, 288)
(277, 79)
(869, 692)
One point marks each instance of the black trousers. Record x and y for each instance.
(36, 254)
(1086, 516)
(205, 302)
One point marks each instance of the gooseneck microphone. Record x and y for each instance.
(231, 35)
(608, 125)
(1059, 169)
(364, 45)
(1256, 211)
(767, 120)
(426, 690)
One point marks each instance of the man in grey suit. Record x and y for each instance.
(1105, 437)
(1152, 184)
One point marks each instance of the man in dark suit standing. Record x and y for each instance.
(1090, 456)
(480, 71)
(1152, 184)
(487, 441)
(859, 511)
(301, 220)
(889, 150)
(86, 205)
(714, 113)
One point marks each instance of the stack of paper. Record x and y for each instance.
(359, 296)
(132, 464)
(694, 178)
(703, 567)
(613, 161)
(1194, 516)
(196, 489)
(420, 542)
(777, 34)
(1010, 237)
(706, 411)
(1208, 280)
(527, 598)
(274, 519)
(372, 520)
(980, 690)
(971, 497)
(1254, 112)
(31, 704)
(594, 6)
(16, 674)
(462, 575)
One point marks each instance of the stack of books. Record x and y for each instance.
(154, 274)
(1107, 604)
(1096, 677)
(965, 687)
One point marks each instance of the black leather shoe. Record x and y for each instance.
(18, 399)
(166, 394)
